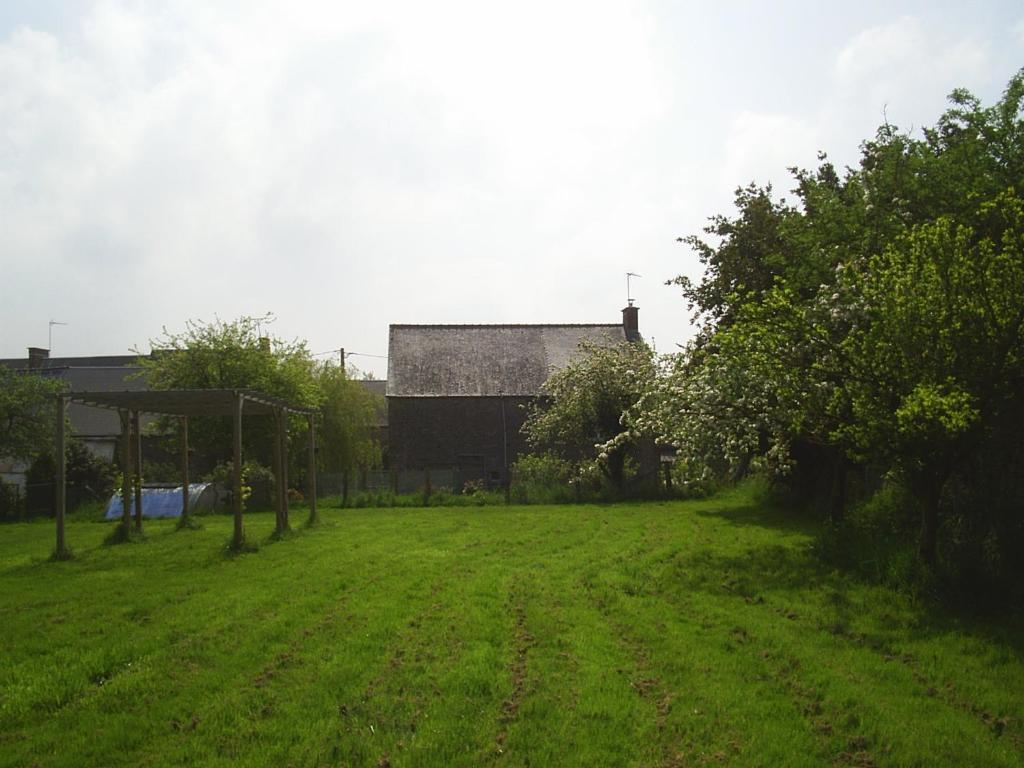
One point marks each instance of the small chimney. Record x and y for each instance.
(631, 322)
(37, 356)
(265, 344)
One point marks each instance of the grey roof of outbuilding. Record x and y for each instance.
(484, 360)
(97, 422)
(104, 361)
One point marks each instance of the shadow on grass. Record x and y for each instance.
(232, 549)
(123, 534)
(283, 535)
(775, 515)
(784, 572)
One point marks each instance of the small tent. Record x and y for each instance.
(166, 501)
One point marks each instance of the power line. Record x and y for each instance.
(348, 354)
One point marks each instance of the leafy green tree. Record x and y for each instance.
(941, 351)
(232, 355)
(579, 418)
(349, 411)
(238, 355)
(750, 252)
(27, 413)
(878, 319)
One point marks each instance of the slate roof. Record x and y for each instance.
(108, 373)
(104, 361)
(484, 360)
(99, 422)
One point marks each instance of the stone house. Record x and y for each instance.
(458, 394)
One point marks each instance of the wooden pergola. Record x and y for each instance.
(184, 403)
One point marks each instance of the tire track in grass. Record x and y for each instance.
(1000, 723)
(659, 697)
(650, 689)
(522, 641)
(238, 721)
(945, 691)
(808, 702)
(425, 704)
(571, 706)
(998, 726)
(790, 630)
(188, 669)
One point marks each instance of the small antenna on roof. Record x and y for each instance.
(49, 335)
(629, 293)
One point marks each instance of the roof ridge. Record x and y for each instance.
(505, 325)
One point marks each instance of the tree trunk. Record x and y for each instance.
(126, 471)
(743, 468)
(617, 469)
(930, 495)
(837, 505)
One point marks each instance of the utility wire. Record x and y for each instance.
(348, 354)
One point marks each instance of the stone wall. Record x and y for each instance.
(458, 433)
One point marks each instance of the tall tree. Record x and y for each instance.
(347, 432)
(27, 413)
(941, 352)
(879, 318)
(233, 354)
(579, 417)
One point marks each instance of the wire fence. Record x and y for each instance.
(38, 499)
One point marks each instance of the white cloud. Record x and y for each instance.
(760, 147)
(902, 69)
(348, 165)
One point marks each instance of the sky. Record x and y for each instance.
(348, 165)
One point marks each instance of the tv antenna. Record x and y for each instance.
(49, 335)
(629, 292)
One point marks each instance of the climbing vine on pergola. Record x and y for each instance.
(184, 403)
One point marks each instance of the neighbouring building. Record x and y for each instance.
(458, 394)
(98, 428)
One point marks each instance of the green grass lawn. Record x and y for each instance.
(666, 634)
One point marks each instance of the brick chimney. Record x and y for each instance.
(631, 322)
(37, 357)
(265, 344)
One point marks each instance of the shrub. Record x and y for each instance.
(12, 504)
(543, 479)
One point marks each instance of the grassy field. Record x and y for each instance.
(655, 634)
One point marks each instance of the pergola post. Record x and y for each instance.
(183, 434)
(182, 404)
(236, 495)
(311, 470)
(126, 471)
(278, 475)
(284, 468)
(61, 489)
(137, 458)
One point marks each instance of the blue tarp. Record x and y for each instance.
(159, 502)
